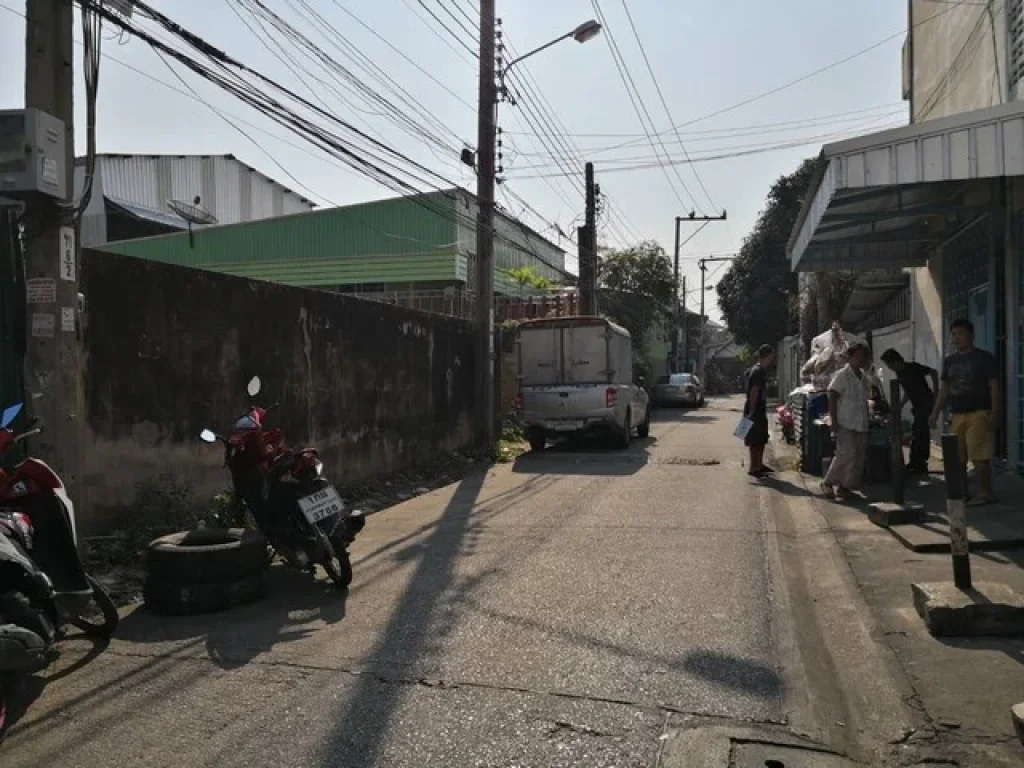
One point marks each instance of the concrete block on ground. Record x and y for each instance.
(1018, 720)
(987, 610)
(886, 513)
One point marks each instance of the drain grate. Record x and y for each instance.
(764, 755)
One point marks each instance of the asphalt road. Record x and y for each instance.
(571, 609)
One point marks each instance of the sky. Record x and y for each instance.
(722, 71)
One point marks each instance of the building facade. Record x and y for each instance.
(132, 194)
(387, 249)
(941, 199)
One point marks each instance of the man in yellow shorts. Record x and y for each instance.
(970, 382)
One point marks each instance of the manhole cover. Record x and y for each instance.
(746, 755)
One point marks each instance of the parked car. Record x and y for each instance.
(576, 377)
(679, 389)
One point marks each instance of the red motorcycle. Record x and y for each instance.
(43, 584)
(301, 515)
(787, 423)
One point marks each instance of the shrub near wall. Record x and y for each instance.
(168, 350)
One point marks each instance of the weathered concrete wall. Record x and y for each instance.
(168, 351)
(959, 58)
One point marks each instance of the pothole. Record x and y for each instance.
(765, 755)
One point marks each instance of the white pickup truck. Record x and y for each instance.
(576, 376)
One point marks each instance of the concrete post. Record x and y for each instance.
(956, 487)
(896, 443)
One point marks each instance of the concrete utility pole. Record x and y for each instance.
(488, 102)
(676, 304)
(703, 264)
(587, 241)
(51, 250)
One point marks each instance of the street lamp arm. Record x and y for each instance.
(584, 32)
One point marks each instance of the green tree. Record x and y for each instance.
(758, 296)
(527, 277)
(637, 287)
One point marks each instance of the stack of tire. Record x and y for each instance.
(205, 570)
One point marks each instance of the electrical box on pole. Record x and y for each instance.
(33, 154)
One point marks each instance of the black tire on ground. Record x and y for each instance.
(340, 569)
(105, 627)
(207, 556)
(17, 609)
(623, 437)
(174, 599)
(537, 439)
(644, 430)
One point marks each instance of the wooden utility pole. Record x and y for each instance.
(488, 102)
(677, 306)
(52, 364)
(587, 241)
(701, 353)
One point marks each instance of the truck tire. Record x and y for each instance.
(173, 599)
(644, 430)
(623, 437)
(537, 439)
(207, 556)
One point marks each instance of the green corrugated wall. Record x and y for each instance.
(386, 241)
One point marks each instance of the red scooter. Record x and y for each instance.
(301, 515)
(787, 424)
(43, 584)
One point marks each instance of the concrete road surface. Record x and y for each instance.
(581, 607)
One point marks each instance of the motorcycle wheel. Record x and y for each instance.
(339, 568)
(110, 620)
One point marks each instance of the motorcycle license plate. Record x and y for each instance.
(322, 504)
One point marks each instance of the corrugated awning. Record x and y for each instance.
(872, 291)
(881, 200)
(147, 214)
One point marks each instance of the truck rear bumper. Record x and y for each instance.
(604, 423)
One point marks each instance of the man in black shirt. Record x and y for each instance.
(913, 377)
(756, 409)
(970, 381)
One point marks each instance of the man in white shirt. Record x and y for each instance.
(848, 395)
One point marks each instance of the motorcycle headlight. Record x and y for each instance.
(318, 466)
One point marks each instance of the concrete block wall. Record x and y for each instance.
(168, 351)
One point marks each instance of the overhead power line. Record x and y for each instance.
(642, 113)
(664, 103)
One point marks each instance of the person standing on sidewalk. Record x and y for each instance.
(913, 377)
(848, 395)
(970, 381)
(756, 409)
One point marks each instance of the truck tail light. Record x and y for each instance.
(518, 402)
(611, 397)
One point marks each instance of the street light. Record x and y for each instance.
(588, 30)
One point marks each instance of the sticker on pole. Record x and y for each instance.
(41, 290)
(44, 326)
(67, 319)
(67, 253)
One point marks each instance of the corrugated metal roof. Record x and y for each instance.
(875, 201)
(385, 241)
(231, 190)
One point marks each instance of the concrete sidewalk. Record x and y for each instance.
(965, 688)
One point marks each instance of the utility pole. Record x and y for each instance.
(703, 264)
(488, 103)
(54, 378)
(676, 308)
(587, 241)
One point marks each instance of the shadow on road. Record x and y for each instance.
(235, 637)
(363, 725)
(735, 673)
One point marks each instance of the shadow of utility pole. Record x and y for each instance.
(363, 725)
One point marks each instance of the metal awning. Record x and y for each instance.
(147, 214)
(872, 291)
(884, 200)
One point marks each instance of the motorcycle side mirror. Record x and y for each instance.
(207, 436)
(9, 415)
(254, 386)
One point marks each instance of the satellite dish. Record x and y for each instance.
(192, 213)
